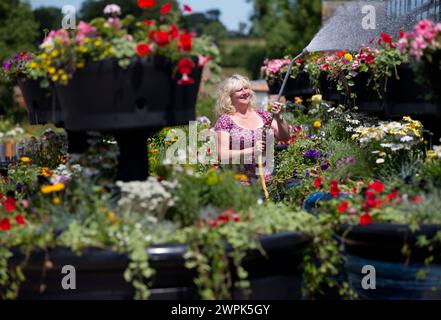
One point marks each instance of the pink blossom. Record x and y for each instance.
(417, 47)
(203, 60)
(112, 9)
(83, 30)
(115, 23)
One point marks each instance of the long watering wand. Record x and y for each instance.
(267, 125)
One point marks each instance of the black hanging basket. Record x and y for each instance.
(368, 99)
(99, 272)
(329, 91)
(43, 106)
(105, 97)
(299, 86)
(380, 246)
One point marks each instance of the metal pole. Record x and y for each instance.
(288, 74)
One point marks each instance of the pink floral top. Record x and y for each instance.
(241, 138)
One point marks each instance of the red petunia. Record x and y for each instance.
(318, 182)
(166, 8)
(185, 41)
(387, 39)
(343, 207)
(20, 219)
(162, 38)
(365, 219)
(5, 224)
(149, 23)
(145, 4)
(402, 34)
(377, 186)
(372, 201)
(152, 35)
(393, 195)
(142, 49)
(299, 60)
(187, 8)
(23, 53)
(9, 204)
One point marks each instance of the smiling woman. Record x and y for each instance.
(241, 128)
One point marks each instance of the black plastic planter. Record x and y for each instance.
(299, 86)
(105, 97)
(328, 90)
(368, 100)
(99, 273)
(380, 245)
(42, 104)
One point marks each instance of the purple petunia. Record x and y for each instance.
(325, 166)
(294, 173)
(312, 154)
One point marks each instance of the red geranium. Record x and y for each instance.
(185, 67)
(387, 39)
(372, 201)
(149, 23)
(343, 207)
(166, 8)
(341, 53)
(20, 219)
(5, 224)
(365, 219)
(142, 49)
(187, 8)
(152, 35)
(393, 195)
(174, 31)
(9, 204)
(335, 190)
(318, 182)
(145, 4)
(162, 38)
(377, 186)
(185, 41)
(417, 199)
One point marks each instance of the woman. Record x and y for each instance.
(241, 126)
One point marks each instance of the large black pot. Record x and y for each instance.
(328, 90)
(105, 97)
(99, 273)
(42, 104)
(368, 99)
(299, 86)
(380, 245)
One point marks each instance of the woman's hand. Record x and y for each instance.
(277, 109)
(259, 146)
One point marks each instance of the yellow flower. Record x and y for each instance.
(316, 98)
(80, 65)
(51, 70)
(431, 154)
(317, 124)
(56, 200)
(43, 55)
(111, 216)
(298, 100)
(153, 151)
(241, 177)
(55, 78)
(348, 56)
(55, 53)
(97, 43)
(64, 77)
(33, 65)
(25, 159)
(52, 188)
(45, 171)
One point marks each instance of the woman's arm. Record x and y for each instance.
(224, 151)
(279, 125)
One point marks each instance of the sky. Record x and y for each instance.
(233, 11)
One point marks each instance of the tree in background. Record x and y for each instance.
(48, 18)
(18, 29)
(18, 32)
(94, 8)
(286, 25)
(207, 23)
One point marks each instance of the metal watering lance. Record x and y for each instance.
(267, 125)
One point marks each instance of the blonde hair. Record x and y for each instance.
(224, 104)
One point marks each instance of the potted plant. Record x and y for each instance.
(42, 104)
(298, 85)
(167, 243)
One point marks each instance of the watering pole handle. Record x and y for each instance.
(288, 74)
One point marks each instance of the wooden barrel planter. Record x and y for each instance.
(99, 273)
(380, 245)
(129, 103)
(42, 104)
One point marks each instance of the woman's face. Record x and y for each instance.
(241, 96)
